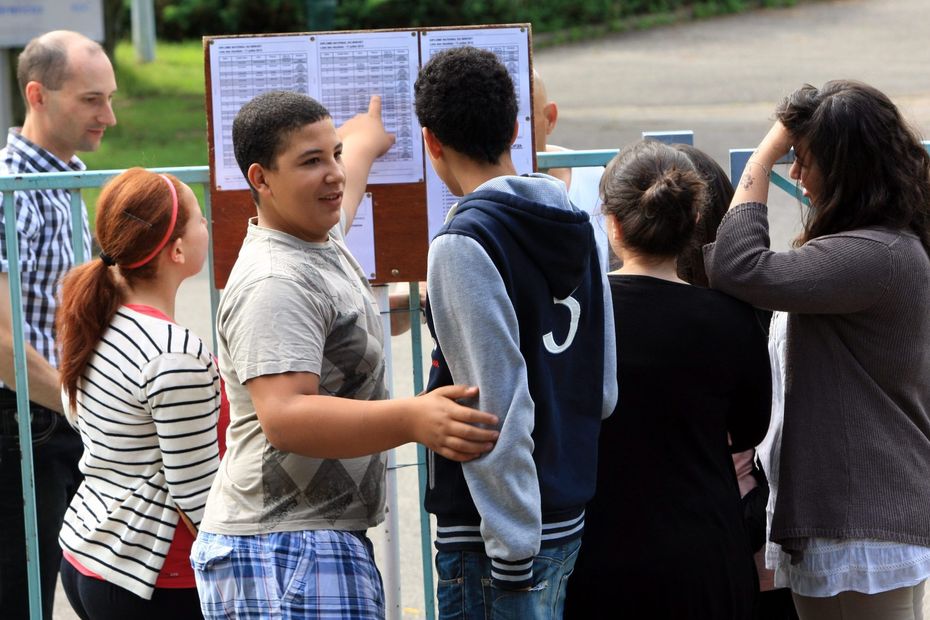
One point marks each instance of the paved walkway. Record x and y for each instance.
(720, 78)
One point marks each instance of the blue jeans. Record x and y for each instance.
(465, 591)
(57, 449)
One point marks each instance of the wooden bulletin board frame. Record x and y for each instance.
(399, 209)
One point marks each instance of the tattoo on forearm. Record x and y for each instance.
(747, 181)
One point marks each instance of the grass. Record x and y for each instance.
(160, 115)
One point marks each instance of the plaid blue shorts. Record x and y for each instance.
(325, 574)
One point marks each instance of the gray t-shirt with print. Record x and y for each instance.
(295, 306)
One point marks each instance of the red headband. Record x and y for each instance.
(174, 219)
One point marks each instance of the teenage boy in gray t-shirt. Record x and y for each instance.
(300, 349)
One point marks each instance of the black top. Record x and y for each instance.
(664, 532)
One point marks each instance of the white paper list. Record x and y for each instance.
(355, 66)
(342, 71)
(241, 69)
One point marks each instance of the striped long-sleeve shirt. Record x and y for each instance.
(147, 411)
(43, 225)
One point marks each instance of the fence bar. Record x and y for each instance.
(574, 159)
(789, 187)
(22, 408)
(92, 178)
(680, 136)
(426, 533)
(214, 293)
(738, 160)
(391, 568)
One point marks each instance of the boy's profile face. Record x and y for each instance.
(302, 196)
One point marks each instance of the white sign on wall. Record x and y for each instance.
(23, 20)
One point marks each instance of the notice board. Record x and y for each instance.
(405, 201)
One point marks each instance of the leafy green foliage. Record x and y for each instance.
(185, 19)
(180, 19)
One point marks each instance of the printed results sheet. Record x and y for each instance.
(512, 46)
(342, 71)
(242, 68)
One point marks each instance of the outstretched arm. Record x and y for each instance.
(295, 418)
(363, 141)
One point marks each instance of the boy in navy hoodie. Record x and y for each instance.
(518, 304)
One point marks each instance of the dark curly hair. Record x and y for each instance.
(875, 170)
(465, 96)
(655, 193)
(262, 126)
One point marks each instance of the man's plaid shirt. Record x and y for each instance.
(43, 223)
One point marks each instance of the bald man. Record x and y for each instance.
(67, 82)
(582, 183)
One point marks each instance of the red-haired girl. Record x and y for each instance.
(145, 395)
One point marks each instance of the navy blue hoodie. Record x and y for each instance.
(519, 306)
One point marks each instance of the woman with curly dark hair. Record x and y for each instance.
(854, 494)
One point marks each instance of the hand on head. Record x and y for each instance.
(775, 145)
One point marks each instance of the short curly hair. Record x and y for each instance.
(465, 96)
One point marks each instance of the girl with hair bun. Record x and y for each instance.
(853, 500)
(664, 535)
(146, 397)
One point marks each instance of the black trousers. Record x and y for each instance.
(93, 599)
(57, 449)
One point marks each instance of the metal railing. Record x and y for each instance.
(200, 175)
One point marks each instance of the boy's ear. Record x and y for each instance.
(256, 176)
(433, 145)
(516, 132)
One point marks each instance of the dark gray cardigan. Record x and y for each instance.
(855, 459)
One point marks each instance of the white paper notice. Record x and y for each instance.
(355, 66)
(342, 71)
(512, 46)
(360, 238)
(240, 69)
